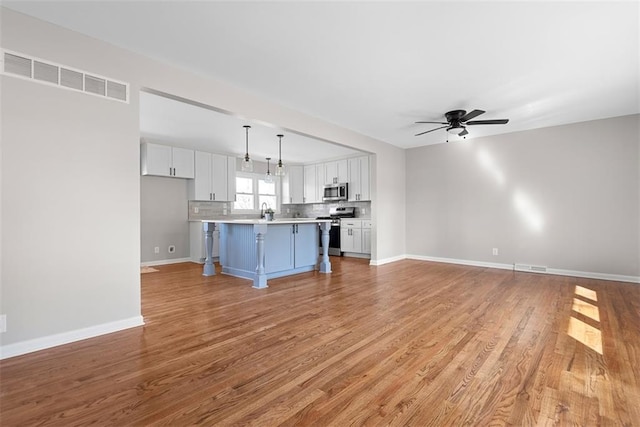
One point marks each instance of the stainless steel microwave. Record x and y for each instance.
(335, 192)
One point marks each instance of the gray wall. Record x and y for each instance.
(72, 262)
(163, 218)
(565, 197)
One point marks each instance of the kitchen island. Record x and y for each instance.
(259, 250)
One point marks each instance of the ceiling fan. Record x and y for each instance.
(458, 120)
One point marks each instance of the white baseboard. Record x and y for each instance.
(29, 346)
(555, 271)
(387, 260)
(165, 262)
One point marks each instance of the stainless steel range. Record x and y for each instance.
(334, 234)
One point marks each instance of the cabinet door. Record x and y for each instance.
(359, 180)
(306, 244)
(330, 173)
(343, 170)
(279, 244)
(310, 184)
(296, 184)
(346, 240)
(183, 162)
(219, 177)
(356, 234)
(202, 182)
(366, 240)
(155, 159)
(231, 179)
(354, 178)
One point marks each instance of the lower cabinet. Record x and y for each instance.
(198, 251)
(355, 236)
(291, 246)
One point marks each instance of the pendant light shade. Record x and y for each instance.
(247, 164)
(280, 167)
(268, 177)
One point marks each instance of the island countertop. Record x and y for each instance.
(264, 221)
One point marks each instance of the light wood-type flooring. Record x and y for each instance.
(408, 343)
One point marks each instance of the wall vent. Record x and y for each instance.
(36, 69)
(530, 268)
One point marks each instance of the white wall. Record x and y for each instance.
(565, 197)
(67, 265)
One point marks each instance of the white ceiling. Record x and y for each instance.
(186, 124)
(377, 67)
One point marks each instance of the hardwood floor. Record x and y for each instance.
(408, 343)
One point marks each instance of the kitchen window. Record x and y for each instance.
(252, 190)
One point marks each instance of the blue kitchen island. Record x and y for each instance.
(260, 250)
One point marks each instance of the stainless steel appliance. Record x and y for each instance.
(334, 234)
(335, 192)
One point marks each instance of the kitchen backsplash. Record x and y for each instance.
(212, 210)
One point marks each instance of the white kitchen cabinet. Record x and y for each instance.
(163, 160)
(355, 236)
(312, 192)
(213, 179)
(293, 185)
(366, 236)
(335, 172)
(197, 248)
(351, 235)
(359, 179)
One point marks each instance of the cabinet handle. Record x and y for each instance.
(214, 196)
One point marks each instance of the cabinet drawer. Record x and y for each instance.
(366, 223)
(351, 223)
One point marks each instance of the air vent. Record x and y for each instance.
(71, 79)
(19, 65)
(530, 268)
(45, 72)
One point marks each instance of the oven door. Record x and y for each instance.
(334, 239)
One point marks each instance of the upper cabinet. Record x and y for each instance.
(335, 172)
(293, 185)
(214, 178)
(163, 160)
(311, 188)
(359, 179)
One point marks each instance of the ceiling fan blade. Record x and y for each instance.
(463, 133)
(471, 115)
(422, 133)
(488, 122)
(435, 123)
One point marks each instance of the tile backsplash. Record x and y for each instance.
(199, 210)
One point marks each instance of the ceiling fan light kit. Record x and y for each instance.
(458, 120)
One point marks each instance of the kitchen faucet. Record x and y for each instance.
(263, 207)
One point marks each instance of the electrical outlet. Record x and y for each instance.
(196, 210)
(172, 249)
(156, 250)
(364, 211)
(495, 251)
(3, 323)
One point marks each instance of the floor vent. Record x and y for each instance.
(530, 268)
(24, 66)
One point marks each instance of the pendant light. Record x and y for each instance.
(268, 178)
(280, 168)
(247, 164)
